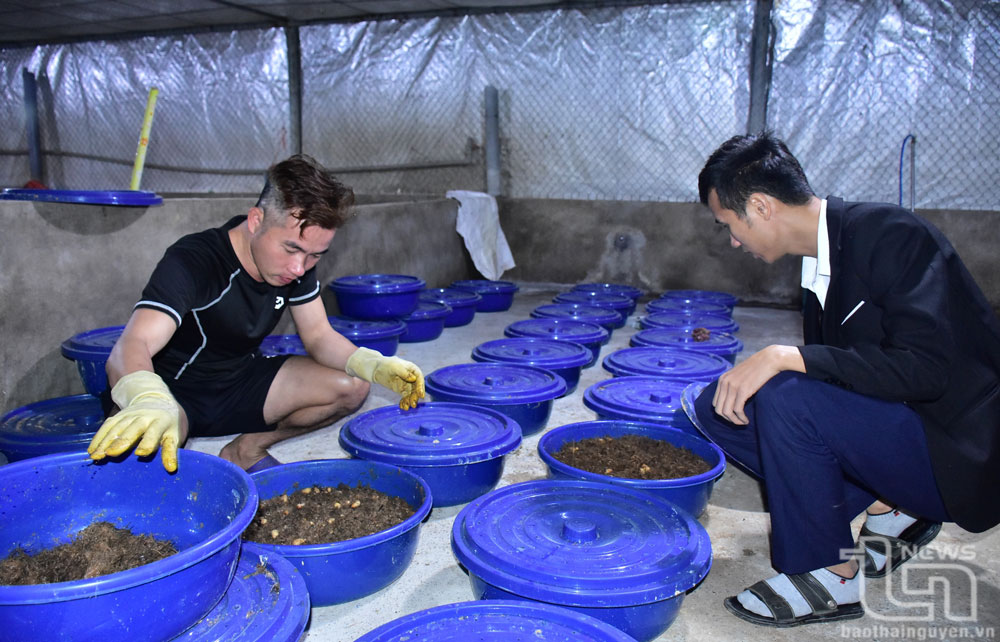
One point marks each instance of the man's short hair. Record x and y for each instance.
(753, 163)
(300, 186)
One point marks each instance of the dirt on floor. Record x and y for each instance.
(631, 457)
(100, 549)
(323, 515)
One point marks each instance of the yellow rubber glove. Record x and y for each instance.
(149, 411)
(398, 375)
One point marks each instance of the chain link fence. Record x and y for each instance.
(616, 103)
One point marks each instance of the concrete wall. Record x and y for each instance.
(66, 269)
(665, 246)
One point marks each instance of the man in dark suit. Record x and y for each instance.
(892, 405)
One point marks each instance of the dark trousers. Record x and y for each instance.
(825, 454)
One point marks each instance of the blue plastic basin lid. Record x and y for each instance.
(499, 383)
(687, 306)
(276, 344)
(358, 329)
(702, 295)
(599, 299)
(63, 420)
(714, 322)
(655, 398)
(610, 288)
(496, 621)
(482, 286)
(717, 342)
(428, 311)
(669, 363)
(432, 434)
(128, 198)
(92, 344)
(579, 311)
(267, 601)
(562, 329)
(581, 543)
(377, 284)
(451, 296)
(544, 353)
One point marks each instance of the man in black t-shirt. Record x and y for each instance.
(188, 361)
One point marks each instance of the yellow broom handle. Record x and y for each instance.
(140, 154)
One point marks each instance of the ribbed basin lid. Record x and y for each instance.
(451, 296)
(63, 420)
(714, 322)
(267, 601)
(688, 306)
(544, 353)
(428, 311)
(482, 286)
(496, 621)
(377, 284)
(610, 288)
(579, 311)
(563, 329)
(581, 543)
(656, 398)
(432, 434)
(717, 342)
(499, 383)
(669, 363)
(93, 344)
(701, 295)
(599, 299)
(357, 329)
(276, 344)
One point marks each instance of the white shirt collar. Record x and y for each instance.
(816, 270)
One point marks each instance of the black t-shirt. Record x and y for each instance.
(222, 313)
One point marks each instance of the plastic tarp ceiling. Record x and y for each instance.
(617, 103)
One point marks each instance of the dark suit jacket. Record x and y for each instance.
(925, 336)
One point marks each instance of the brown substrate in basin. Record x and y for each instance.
(323, 515)
(631, 457)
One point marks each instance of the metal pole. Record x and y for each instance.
(913, 174)
(294, 89)
(31, 120)
(492, 98)
(760, 67)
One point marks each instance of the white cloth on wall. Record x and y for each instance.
(479, 226)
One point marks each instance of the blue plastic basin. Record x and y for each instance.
(642, 399)
(589, 335)
(497, 621)
(669, 363)
(377, 335)
(718, 343)
(610, 288)
(690, 493)
(343, 571)
(523, 393)
(458, 449)
(377, 296)
(624, 556)
(462, 303)
(278, 344)
(686, 306)
(90, 350)
(426, 323)
(620, 303)
(724, 298)
(684, 321)
(604, 317)
(564, 358)
(202, 508)
(497, 296)
(51, 426)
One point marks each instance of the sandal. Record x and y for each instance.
(824, 607)
(267, 462)
(896, 550)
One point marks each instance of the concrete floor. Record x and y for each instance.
(962, 570)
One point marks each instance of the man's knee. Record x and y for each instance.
(356, 394)
(781, 392)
